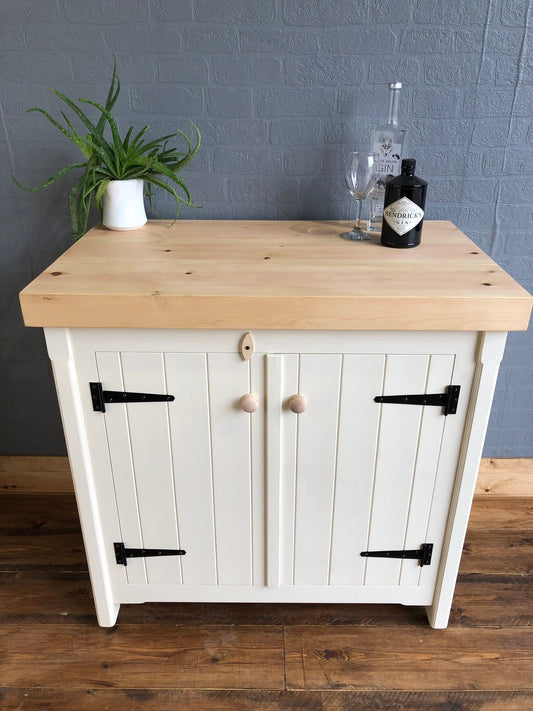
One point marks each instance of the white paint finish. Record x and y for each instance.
(454, 427)
(273, 469)
(118, 441)
(75, 413)
(397, 449)
(289, 452)
(285, 342)
(316, 462)
(489, 355)
(362, 380)
(229, 378)
(284, 594)
(152, 462)
(427, 465)
(257, 423)
(351, 432)
(186, 375)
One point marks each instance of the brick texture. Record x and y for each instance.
(281, 90)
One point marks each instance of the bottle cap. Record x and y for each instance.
(395, 85)
(408, 166)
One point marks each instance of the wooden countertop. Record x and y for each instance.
(274, 274)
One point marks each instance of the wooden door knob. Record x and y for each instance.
(249, 402)
(297, 403)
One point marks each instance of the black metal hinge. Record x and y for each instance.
(122, 553)
(448, 400)
(100, 397)
(423, 553)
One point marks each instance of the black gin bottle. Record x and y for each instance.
(403, 208)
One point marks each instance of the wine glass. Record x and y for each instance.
(360, 176)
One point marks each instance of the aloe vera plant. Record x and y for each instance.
(116, 158)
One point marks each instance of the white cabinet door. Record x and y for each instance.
(183, 471)
(356, 475)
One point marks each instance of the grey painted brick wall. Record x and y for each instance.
(280, 89)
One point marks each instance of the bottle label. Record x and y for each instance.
(387, 149)
(402, 215)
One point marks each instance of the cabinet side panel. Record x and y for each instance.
(477, 404)
(191, 453)
(229, 380)
(118, 439)
(152, 461)
(362, 379)
(315, 475)
(90, 468)
(397, 449)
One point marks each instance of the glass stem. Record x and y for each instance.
(358, 218)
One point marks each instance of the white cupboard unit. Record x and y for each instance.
(279, 461)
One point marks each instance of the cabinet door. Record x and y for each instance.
(356, 475)
(183, 470)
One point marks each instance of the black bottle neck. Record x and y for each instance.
(408, 167)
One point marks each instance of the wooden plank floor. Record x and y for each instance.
(224, 657)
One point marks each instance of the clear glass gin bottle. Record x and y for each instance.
(387, 146)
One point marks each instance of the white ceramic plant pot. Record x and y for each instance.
(123, 205)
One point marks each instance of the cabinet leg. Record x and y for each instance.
(107, 613)
(438, 615)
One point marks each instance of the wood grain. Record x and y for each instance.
(498, 552)
(392, 658)
(37, 514)
(48, 551)
(250, 700)
(46, 597)
(492, 601)
(40, 532)
(231, 657)
(274, 274)
(505, 477)
(133, 656)
(502, 513)
(35, 474)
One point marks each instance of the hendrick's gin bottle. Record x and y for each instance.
(403, 208)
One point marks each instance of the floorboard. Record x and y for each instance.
(29, 514)
(14, 699)
(502, 513)
(498, 552)
(236, 700)
(153, 656)
(223, 657)
(408, 658)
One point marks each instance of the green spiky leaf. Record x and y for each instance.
(154, 161)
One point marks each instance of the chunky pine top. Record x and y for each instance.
(274, 275)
